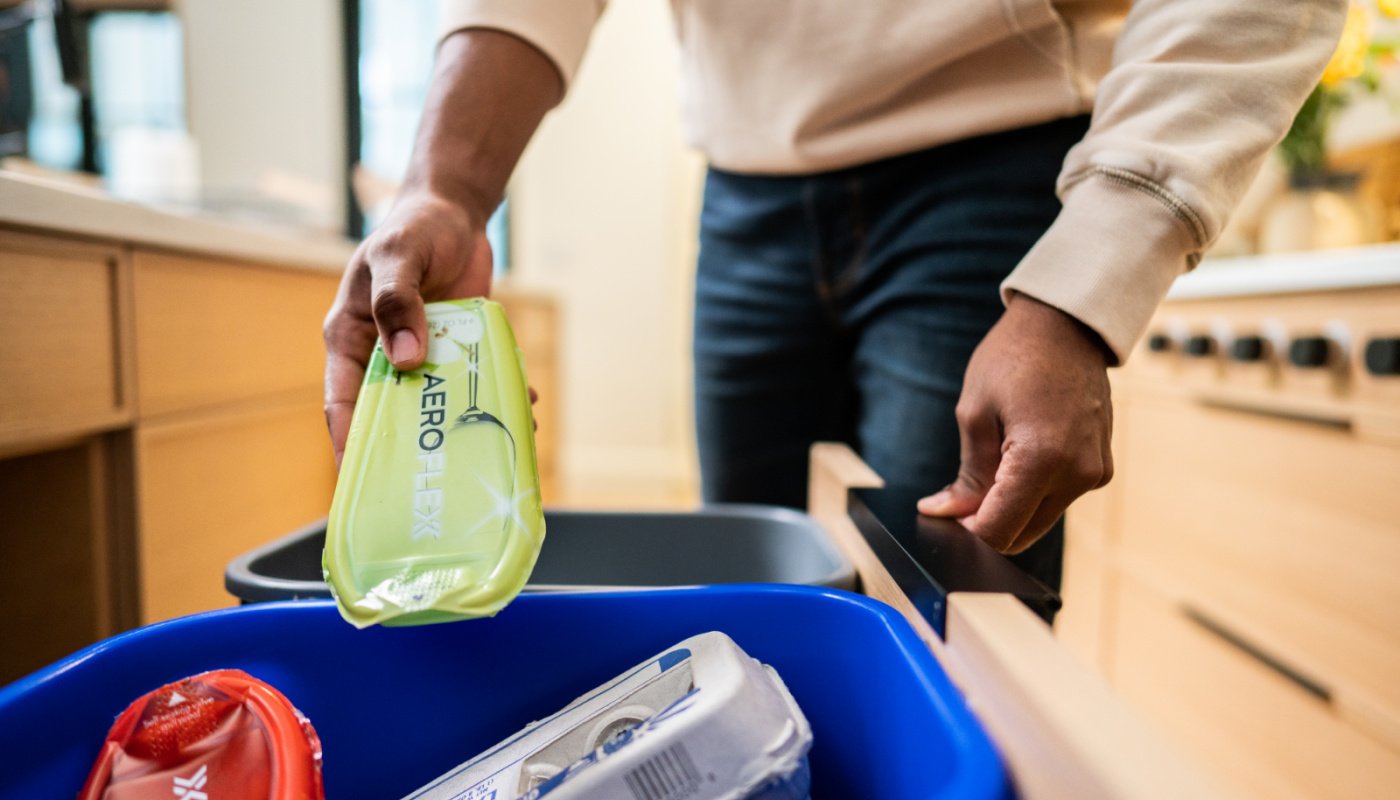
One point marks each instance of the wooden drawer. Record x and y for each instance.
(210, 333)
(1347, 391)
(1087, 589)
(534, 320)
(63, 318)
(1262, 732)
(214, 488)
(1289, 528)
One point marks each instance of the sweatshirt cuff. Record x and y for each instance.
(1108, 260)
(558, 28)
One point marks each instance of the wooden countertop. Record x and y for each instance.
(52, 206)
(1289, 273)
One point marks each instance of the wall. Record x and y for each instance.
(604, 210)
(264, 87)
(604, 214)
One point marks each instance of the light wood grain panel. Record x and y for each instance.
(1258, 730)
(61, 338)
(1291, 526)
(212, 333)
(534, 320)
(217, 486)
(1354, 315)
(1081, 624)
(1062, 731)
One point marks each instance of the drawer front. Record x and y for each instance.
(211, 333)
(1351, 317)
(61, 336)
(215, 488)
(534, 321)
(1087, 592)
(1259, 730)
(1290, 526)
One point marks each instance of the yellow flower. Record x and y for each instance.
(1349, 60)
(1390, 8)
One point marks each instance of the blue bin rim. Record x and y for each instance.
(897, 625)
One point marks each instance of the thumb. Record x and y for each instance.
(980, 439)
(397, 305)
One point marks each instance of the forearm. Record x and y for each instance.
(489, 92)
(1199, 92)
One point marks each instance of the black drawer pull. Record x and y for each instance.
(1225, 634)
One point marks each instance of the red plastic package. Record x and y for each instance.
(222, 734)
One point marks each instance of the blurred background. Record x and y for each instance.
(302, 115)
(276, 113)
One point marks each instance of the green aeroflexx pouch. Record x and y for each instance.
(437, 510)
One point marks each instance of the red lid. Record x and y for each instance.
(221, 734)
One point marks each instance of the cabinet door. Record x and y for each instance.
(213, 333)
(62, 338)
(1285, 529)
(534, 319)
(1238, 712)
(218, 485)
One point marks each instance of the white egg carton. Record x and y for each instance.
(701, 721)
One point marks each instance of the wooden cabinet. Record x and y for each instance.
(222, 483)
(1265, 733)
(213, 332)
(534, 320)
(231, 447)
(1237, 580)
(162, 413)
(60, 547)
(64, 338)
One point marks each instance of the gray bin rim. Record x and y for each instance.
(250, 587)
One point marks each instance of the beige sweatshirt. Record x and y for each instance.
(1188, 96)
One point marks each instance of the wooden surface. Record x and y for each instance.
(216, 486)
(193, 386)
(212, 333)
(1352, 396)
(62, 339)
(1085, 623)
(1291, 529)
(534, 319)
(1061, 730)
(53, 597)
(835, 469)
(1264, 736)
(1242, 564)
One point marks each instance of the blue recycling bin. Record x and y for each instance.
(395, 707)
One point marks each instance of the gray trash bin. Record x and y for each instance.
(604, 550)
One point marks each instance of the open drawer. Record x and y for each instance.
(1062, 731)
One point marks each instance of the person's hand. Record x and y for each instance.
(1035, 420)
(428, 248)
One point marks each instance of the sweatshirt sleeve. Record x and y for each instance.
(558, 28)
(1198, 93)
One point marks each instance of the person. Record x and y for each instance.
(928, 228)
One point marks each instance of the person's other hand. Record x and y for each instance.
(428, 248)
(1035, 420)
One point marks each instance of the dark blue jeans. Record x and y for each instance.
(844, 306)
